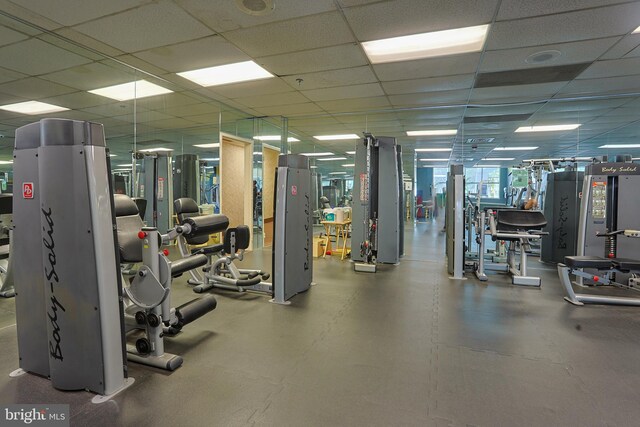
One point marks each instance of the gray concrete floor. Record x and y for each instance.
(405, 346)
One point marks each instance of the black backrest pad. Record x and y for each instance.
(129, 224)
(242, 237)
(204, 225)
(185, 208)
(515, 219)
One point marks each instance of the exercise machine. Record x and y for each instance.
(7, 289)
(377, 206)
(454, 222)
(157, 188)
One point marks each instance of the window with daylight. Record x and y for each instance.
(485, 181)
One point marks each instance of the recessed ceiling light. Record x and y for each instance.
(155, 150)
(350, 165)
(6, 162)
(498, 159)
(113, 155)
(324, 159)
(257, 153)
(127, 91)
(434, 160)
(548, 128)
(225, 74)
(437, 132)
(543, 56)
(620, 146)
(317, 154)
(32, 107)
(636, 31)
(426, 45)
(214, 159)
(515, 148)
(213, 145)
(432, 150)
(275, 138)
(488, 166)
(337, 173)
(336, 137)
(351, 152)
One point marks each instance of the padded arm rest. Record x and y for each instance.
(185, 264)
(206, 224)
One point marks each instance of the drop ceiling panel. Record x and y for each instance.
(195, 54)
(432, 67)
(157, 24)
(34, 88)
(203, 118)
(90, 76)
(602, 86)
(351, 3)
(495, 111)
(585, 104)
(88, 42)
(77, 100)
(175, 123)
(571, 53)
(431, 98)
(329, 58)
(357, 104)
(192, 110)
(9, 36)
(403, 17)
(634, 53)
(173, 101)
(144, 117)
(273, 99)
(612, 68)
(8, 75)
(254, 88)
(35, 57)
(310, 32)
(112, 110)
(523, 92)
(333, 78)
(514, 9)
(344, 92)
(464, 81)
(225, 15)
(61, 12)
(290, 110)
(583, 25)
(623, 47)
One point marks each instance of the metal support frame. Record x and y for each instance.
(581, 299)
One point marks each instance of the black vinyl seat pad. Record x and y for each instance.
(598, 263)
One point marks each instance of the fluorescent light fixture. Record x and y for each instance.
(257, 153)
(214, 159)
(336, 137)
(515, 148)
(209, 167)
(325, 159)
(127, 91)
(337, 173)
(125, 165)
(32, 107)
(434, 160)
(432, 150)
(6, 162)
(317, 154)
(548, 128)
(426, 45)
(487, 166)
(313, 167)
(498, 159)
(350, 165)
(620, 146)
(113, 155)
(155, 150)
(636, 31)
(225, 74)
(213, 145)
(351, 153)
(437, 132)
(275, 138)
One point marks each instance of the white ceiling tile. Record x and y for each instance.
(357, 104)
(521, 92)
(290, 110)
(88, 42)
(173, 101)
(430, 98)
(77, 100)
(623, 47)
(514, 9)
(224, 15)
(35, 57)
(194, 54)
(8, 75)
(571, 53)
(433, 84)
(327, 29)
(403, 17)
(62, 12)
(432, 67)
(254, 88)
(333, 78)
(8, 36)
(203, 118)
(144, 117)
(112, 109)
(351, 3)
(584, 104)
(157, 24)
(612, 68)
(192, 110)
(328, 58)
(583, 25)
(34, 88)
(174, 123)
(602, 86)
(344, 92)
(90, 76)
(634, 53)
(273, 99)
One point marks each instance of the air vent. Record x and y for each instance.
(497, 119)
(480, 140)
(560, 73)
(256, 7)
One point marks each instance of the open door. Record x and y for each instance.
(269, 167)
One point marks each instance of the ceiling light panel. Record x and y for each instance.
(126, 91)
(515, 148)
(432, 150)
(155, 150)
(213, 145)
(32, 108)
(275, 138)
(226, 74)
(499, 159)
(426, 45)
(336, 137)
(437, 132)
(317, 154)
(434, 160)
(325, 159)
(548, 128)
(620, 146)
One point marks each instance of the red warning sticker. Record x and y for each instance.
(27, 190)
